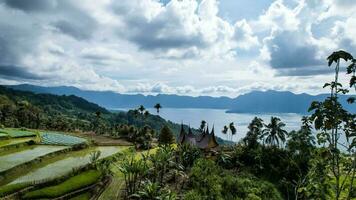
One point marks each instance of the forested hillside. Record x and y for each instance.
(69, 113)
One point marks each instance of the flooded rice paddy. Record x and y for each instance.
(65, 165)
(11, 160)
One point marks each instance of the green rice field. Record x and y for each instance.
(16, 133)
(4, 143)
(53, 138)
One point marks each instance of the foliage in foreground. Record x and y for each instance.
(209, 181)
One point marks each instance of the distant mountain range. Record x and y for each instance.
(254, 102)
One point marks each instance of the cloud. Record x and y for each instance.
(183, 29)
(79, 31)
(16, 72)
(289, 51)
(33, 5)
(175, 47)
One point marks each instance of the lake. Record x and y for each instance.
(219, 118)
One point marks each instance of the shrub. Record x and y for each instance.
(209, 181)
(206, 180)
(193, 195)
(166, 136)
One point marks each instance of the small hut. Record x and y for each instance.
(204, 140)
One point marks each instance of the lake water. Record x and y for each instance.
(219, 118)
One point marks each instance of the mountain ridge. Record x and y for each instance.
(269, 101)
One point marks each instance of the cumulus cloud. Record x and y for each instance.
(183, 29)
(175, 47)
(291, 47)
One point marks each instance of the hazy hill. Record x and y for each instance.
(254, 102)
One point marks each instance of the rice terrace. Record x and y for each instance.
(32, 157)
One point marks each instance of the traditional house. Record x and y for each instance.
(203, 140)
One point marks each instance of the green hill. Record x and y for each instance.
(68, 113)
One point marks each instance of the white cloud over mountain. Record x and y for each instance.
(181, 46)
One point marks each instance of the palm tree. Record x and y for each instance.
(232, 129)
(225, 130)
(141, 109)
(202, 126)
(254, 132)
(158, 107)
(136, 112)
(146, 113)
(274, 132)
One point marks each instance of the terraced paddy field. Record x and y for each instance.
(27, 154)
(9, 142)
(16, 133)
(64, 165)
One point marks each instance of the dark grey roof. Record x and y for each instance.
(200, 140)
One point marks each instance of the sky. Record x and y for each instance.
(184, 47)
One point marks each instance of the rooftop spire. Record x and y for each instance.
(182, 129)
(190, 130)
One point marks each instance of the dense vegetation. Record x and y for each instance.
(268, 163)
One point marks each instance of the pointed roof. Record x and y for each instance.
(204, 140)
(207, 129)
(190, 131)
(182, 134)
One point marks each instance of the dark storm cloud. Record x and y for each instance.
(305, 71)
(78, 31)
(160, 34)
(287, 52)
(16, 42)
(31, 5)
(163, 32)
(16, 72)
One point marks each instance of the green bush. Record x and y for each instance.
(166, 136)
(74, 183)
(210, 181)
(193, 195)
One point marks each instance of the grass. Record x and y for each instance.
(85, 196)
(70, 185)
(10, 189)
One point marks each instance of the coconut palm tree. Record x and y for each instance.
(202, 126)
(232, 129)
(146, 113)
(158, 107)
(225, 130)
(141, 109)
(254, 132)
(274, 133)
